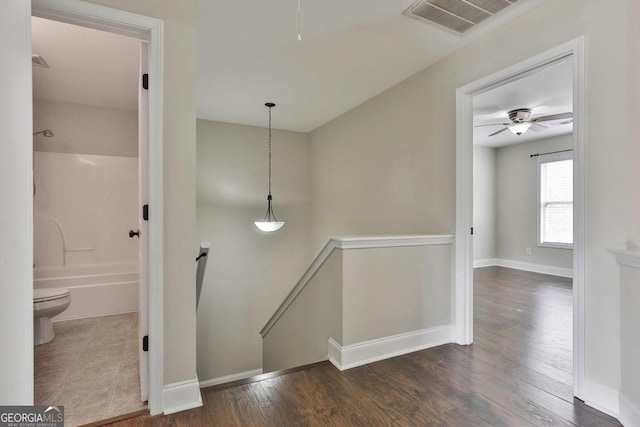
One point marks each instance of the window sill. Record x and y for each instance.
(555, 246)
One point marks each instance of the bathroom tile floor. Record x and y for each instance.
(91, 368)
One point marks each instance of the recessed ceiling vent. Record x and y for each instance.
(38, 61)
(457, 15)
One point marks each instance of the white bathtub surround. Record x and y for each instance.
(84, 206)
(95, 291)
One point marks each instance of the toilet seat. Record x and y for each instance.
(49, 294)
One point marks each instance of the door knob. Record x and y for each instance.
(134, 233)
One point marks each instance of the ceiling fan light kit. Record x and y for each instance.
(519, 128)
(521, 121)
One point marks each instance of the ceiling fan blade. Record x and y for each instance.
(536, 127)
(500, 131)
(566, 122)
(492, 124)
(560, 116)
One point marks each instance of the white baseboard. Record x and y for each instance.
(629, 412)
(229, 378)
(525, 266)
(181, 396)
(488, 262)
(350, 356)
(601, 397)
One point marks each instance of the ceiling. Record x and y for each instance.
(548, 91)
(248, 54)
(87, 66)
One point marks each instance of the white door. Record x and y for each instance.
(143, 246)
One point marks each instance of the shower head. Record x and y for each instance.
(46, 133)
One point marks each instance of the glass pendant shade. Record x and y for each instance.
(519, 128)
(270, 222)
(269, 226)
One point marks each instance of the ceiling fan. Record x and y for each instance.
(521, 121)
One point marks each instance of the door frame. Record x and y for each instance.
(464, 195)
(150, 30)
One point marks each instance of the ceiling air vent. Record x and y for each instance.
(38, 61)
(457, 15)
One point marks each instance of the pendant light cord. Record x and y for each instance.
(299, 32)
(269, 152)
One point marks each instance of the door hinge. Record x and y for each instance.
(145, 212)
(145, 81)
(145, 343)
(471, 230)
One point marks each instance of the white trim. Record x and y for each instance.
(94, 16)
(464, 193)
(526, 266)
(629, 412)
(463, 296)
(601, 397)
(487, 262)
(229, 378)
(579, 209)
(363, 242)
(151, 30)
(359, 354)
(181, 396)
(352, 242)
(16, 214)
(626, 256)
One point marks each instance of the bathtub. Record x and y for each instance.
(95, 290)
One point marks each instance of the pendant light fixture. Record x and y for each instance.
(270, 223)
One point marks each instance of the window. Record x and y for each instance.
(555, 200)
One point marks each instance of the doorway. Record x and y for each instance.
(86, 199)
(464, 193)
(150, 32)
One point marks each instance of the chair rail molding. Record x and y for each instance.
(625, 255)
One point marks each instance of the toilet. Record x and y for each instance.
(47, 303)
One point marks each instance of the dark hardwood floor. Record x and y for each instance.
(518, 372)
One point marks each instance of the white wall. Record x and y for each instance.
(517, 204)
(85, 129)
(388, 165)
(385, 167)
(484, 203)
(249, 272)
(16, 244)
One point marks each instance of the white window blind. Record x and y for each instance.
(556, 200)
